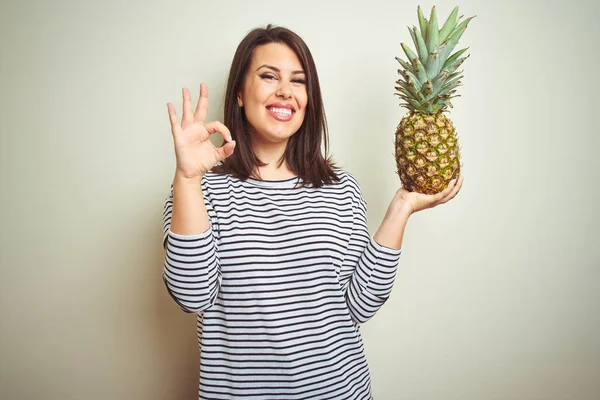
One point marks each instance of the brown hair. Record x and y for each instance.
(306, 148)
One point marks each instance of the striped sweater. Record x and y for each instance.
(280, 281)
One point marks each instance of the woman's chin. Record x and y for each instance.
(275, 137)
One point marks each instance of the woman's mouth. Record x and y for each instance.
(281, 114)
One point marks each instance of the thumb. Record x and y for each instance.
(226, 150)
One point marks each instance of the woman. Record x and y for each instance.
(267, 240)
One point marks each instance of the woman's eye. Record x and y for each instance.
(302, 81)
(267, 76)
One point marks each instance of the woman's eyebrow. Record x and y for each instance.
(278, 70)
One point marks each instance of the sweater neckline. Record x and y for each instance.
(278, 183)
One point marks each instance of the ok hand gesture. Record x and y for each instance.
(194, 152)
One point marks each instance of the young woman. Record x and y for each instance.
(266, 240)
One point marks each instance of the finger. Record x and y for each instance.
(218, 127)
(459, 184)
(173, 117)
(187, 107)
(440, 196)
(200, 113)
(226, 150)
(455, 189)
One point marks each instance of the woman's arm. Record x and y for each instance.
(192, 271)
(189, 215)
(405, 203)
(369, 267)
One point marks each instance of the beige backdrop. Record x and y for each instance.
(497, 295)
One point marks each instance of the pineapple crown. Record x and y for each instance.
(429, 80)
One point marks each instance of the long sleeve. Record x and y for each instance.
(368, 269)
(191, 272)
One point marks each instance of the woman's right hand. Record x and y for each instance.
(194, 152)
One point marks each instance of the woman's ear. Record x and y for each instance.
(240, 101)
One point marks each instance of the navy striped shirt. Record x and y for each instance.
(280, 281)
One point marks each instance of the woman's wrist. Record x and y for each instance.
(391, 230)
(399, 212)
(180, 179)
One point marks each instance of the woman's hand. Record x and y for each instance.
(404, 203)
(194, 152)
(411, 202)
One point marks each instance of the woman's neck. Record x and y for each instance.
(272, 172)
(271, 154)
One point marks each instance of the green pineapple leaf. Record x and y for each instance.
(432, 66)
(420, 70)
(447, 89)
(439, 81)
(454, 75)
(453, 58)
(409, 53)
(456, 35)
(443, 79)
(432, 31)
(422, 23)
(410, 90)
(454, 66)
(413, 102)
(420, 44)
(462, 25)
(453, 83)
(427, 90)
(449, 25)
(412, 79)
(404, 64)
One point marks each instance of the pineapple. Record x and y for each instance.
(427, 151)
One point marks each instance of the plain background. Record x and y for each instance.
(498, 292)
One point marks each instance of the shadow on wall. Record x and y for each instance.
(154, 349)
(174, 333)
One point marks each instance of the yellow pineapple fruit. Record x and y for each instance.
(427, 151)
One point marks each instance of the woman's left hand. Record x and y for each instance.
(411, 202)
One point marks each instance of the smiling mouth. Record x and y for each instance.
(281, 114)
(284, 112)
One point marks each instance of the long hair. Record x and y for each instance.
(307, 148)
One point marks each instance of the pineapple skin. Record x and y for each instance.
(427, 152)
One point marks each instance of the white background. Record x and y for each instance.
(497, 294)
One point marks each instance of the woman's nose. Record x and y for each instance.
(283, 90)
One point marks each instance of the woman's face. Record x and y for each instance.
(274, 94)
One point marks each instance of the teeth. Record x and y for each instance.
(281, 111)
